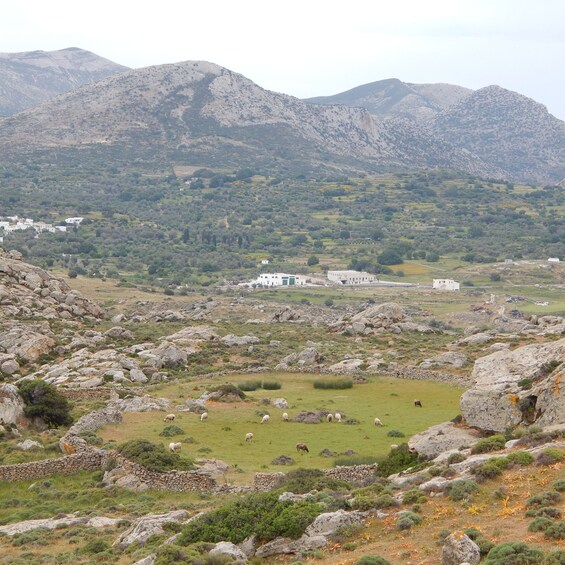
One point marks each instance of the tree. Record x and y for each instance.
(389, 257)
(313, 260)
(44, 401)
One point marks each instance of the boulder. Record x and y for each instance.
(11, 404)
(193, 334)
(328, 523)
(459, 548)
(146, 526)
(347, 366)
(279, 403)
(449, 358)
(442, 437)
(228, 548)
(308, 356)
(9, 367)
(233, 340)
(497, 401)
(287, 545)
(27, 343)
(28, 444)
(117, 332)
(55, 523)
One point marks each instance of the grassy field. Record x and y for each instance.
(222, 435)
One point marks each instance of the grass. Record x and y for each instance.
(224, 431)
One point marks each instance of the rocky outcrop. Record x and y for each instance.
(329, 523)
(516, 387)
(442, 437)
(449, 358)
(11, 404)
(458, 548)
(27, 342)
(151, 524)
(56, 523)
(231, 550)
(234, 340)
(30, 292)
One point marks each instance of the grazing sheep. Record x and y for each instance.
(203, 416)
(378, 422)
(418, 403)
(249, 437)
(337, 417)
(175, 446)
(285, 417)
(393, 446)
(302, 447)
(169, 418)
(265, 419)
(330, 417)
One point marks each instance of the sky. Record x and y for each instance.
(315, 48)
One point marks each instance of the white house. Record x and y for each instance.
(264, 261)
(279, 279)
(553, 260)
(76, 221)
(351, 277)
(445, 284)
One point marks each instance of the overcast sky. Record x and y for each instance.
(313, 47)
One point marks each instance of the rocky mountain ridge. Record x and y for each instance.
(30, 78)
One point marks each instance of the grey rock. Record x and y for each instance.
(146, 526)
(308, 356)
(9, 367)
(328, 523)
(442, 437)
(28, 444)
(286, 545)
(228, 548)
(234, 340)
(11, 404)
(449, 358)
(459, 548)
(149, 560)
(117, 332)
(279, 403)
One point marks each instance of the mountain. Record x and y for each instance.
(204, 114)
(505, 129)
(393, 97)
(31, 78)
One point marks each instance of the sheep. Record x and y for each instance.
(302, 447)
(249, 437)
(393, 446)
(378, 422)
(418, 403)
(169, 418)
(175, 446)
(330, 417)
(265, 419)
(203, 416)
(337, 417)
(285, 417)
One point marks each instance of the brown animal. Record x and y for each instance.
(418, 403)
(302, 447)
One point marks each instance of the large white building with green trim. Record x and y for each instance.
(279, 279)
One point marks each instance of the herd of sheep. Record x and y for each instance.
(300, 447)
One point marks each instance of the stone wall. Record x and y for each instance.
(349, 473)
(99, 393)
(166, 480)
(88, 460)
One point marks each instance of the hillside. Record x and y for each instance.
(30, 78)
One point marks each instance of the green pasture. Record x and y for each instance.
(222, 435)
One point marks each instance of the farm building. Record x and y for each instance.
(351, 277)
(279, 279)
(553, 260)
(445, 284)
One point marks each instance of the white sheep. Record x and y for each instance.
(337, 417)
(203, 416)
(330, 417)
(265, 419)
(393, 446)
(175, 446)
(249, 437)
(285, 417)
(378, 422)
(169, 418)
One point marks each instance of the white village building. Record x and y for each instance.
(553, 260)
(76, 221)
(279, 279)
(445, 284)
(351, 277)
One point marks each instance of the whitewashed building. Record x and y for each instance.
(351, 277)
(445, 284)
(76, 221)
(553, 260)
(279, 279)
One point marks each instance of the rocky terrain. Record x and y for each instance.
(28, 79)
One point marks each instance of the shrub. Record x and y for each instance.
(261, 514)
(384, 501)
(372, 560)
(271, 385)
(338, 384)
(350, 460)
(44, 401)
(395, 433)
(95, 546)
(485, 545)
(547, 511)
(301, 481)
(152, 456)
(228, 390)
(543, 499)
(171, 431)
(555, 530)
(559, 485)
(455, 458)
(461, 489)
(396, 461)
(488, 444)
(555, 558)
(407, 519)
(550, 456)
(414, 496)
(490, 469)
(248, 386)
(521, 458)
(540, 524)
(513, 553)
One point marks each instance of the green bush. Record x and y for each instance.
(550, 456)
(249, 386)
(559, 485)
(372, 560)
(338, 384)
(414, 496)
(490, 469)
(152, 456)
(397, 460)
(547, 511)
(395, 433)
(407, 519)
(44, 401)
(461, 489)
(456, 458)
(257, 514)
(555, 558)
(485, 545)
(271, 385)
(350, 460)
(488, 444)
(521, 458)
(172, 430)
(95, 546)
(384, 501)
(543, 499)
(513, 553)
(301, 481)
(540, 524)
(555, 530)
